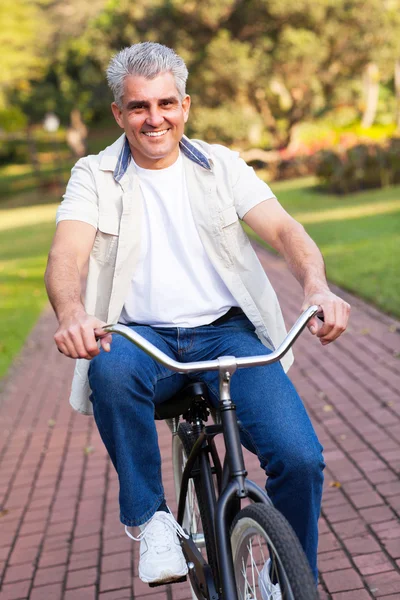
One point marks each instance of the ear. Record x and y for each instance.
(186, 107)
(117, 112)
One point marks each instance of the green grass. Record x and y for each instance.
(298, 195)
(362, 253)
(23, 255)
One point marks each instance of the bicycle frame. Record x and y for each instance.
(233, 486)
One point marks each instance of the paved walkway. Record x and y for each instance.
(60, 537)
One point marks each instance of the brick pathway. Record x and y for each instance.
(60, 535)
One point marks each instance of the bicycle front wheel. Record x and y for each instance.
(260, 534)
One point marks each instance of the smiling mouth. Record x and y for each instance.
(154, 134)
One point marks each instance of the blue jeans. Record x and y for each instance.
(126, 384)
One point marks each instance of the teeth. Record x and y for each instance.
(155, 133)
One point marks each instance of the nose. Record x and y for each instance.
(154, 118)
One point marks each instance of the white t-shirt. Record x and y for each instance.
(174, 284)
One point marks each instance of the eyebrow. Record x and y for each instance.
(136, 103)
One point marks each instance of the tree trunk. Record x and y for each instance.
(371, 94)
(270, 123)
(77, 134)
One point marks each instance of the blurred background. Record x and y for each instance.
(307, 91)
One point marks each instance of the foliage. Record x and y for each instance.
(12, 119)
(69, 77)
(361, 167)
(297, 166)
(276, 63)
(23, 36)
(257, 68)
(13, 151)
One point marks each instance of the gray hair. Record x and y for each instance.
(148, 60)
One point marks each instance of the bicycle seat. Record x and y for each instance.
(181, 402)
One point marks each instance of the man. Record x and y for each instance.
(156, 216)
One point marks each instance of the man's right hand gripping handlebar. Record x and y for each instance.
(77, 335)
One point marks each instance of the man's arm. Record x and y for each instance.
(276, 227)
(68, 256)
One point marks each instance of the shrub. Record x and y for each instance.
(13, 151)
(361, 167)
(291, 168)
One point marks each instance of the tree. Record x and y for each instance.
(257, 67)
(69, 76)
(260, 67)
(23, 34)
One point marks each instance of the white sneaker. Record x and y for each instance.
(161, 557)
(269, 591)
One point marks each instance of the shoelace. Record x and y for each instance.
(166, 519)
(274, 593)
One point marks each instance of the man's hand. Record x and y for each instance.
(276, 227)
(336, 315)
(75, 336)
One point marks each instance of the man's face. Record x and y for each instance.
(153, 118)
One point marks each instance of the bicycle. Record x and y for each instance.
(238, 541)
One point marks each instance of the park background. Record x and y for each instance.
(307, 91)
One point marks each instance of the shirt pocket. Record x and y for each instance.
(235, 238)
(106, 241)
(229, 216)
(228, 224)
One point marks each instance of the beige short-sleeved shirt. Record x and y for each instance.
(104, 191)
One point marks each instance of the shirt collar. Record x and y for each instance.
(190, 150)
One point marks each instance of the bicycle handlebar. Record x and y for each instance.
(216, 364)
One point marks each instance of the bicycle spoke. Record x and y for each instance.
(253, 557)
(252, 564)
(264, 559)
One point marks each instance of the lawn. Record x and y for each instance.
(23, 254)
(358, 234)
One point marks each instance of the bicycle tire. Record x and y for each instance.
(296, 580)
(187, 438)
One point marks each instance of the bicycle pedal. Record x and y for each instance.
(180, 580)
